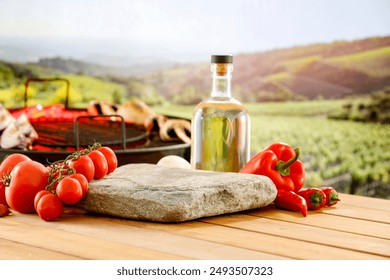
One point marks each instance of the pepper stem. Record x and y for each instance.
(284, 166)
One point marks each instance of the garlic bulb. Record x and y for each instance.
(174, 161)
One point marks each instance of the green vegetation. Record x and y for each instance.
(373, 62)
(374, 108)
(329, 147)
(90, 88)
(327, 71)
(294, 65)
(82, 90)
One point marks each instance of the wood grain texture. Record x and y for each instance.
(356, 229)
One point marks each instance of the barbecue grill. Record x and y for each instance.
(59, 136)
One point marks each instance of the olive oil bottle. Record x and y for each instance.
(220, 124)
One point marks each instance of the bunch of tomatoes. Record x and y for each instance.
(28, 186)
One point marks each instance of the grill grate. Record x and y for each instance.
(62, 134)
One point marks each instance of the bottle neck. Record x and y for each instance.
(222, 75)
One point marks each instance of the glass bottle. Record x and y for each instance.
(220, 124)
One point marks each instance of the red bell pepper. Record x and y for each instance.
(332, 197)
(315, 198)
(291, 201)
(280, 163)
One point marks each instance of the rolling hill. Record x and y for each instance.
(326, 71)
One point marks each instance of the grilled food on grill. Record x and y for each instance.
(137, 112)
(16, 130)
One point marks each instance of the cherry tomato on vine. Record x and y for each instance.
(6, 166)
(38, 196)
(112, 160)
(84, 165)
(27, 179)
(55, 176)
(100, 163)
(49, 207)
(69, 190)
(83, 182)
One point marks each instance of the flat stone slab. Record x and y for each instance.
(162, 194)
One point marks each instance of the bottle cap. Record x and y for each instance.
(221, 59)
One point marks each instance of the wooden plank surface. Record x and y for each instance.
(12, 250)
(334, 222)
(308, 233)
(75, 245)
(360, 213)
(103, 229)
(283, 245)
(350, 217)
(356, 228)
(365, 202)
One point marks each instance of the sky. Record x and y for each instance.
(185, 28)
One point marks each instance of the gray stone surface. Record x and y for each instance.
(162, 194)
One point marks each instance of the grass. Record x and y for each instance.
(82, 90)
(93, 88)
(294, 65)
(302, 108)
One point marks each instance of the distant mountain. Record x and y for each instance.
(71, 66)
(92, 57)
(329, 71)
(333, 70)
(95, 69)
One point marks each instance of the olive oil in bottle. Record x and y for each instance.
(220, 124)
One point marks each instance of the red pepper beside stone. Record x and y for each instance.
(332, 197)
(280, 163)
(315, 198)
(291, 201)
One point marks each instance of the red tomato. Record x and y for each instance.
(6, 166)
(49, 207)
(27, 179)
(9, 162)
(84, 165)
(100, 163)
(38, 196)
(83, 182)
(112, 160)
(2, 193)
(69, 190)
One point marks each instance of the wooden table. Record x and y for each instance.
(356, 228)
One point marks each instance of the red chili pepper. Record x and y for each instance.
(280, 163)
(332, 197)
(291, 201)
(315, 198)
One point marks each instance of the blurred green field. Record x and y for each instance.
(82, 90)
(329, 147)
